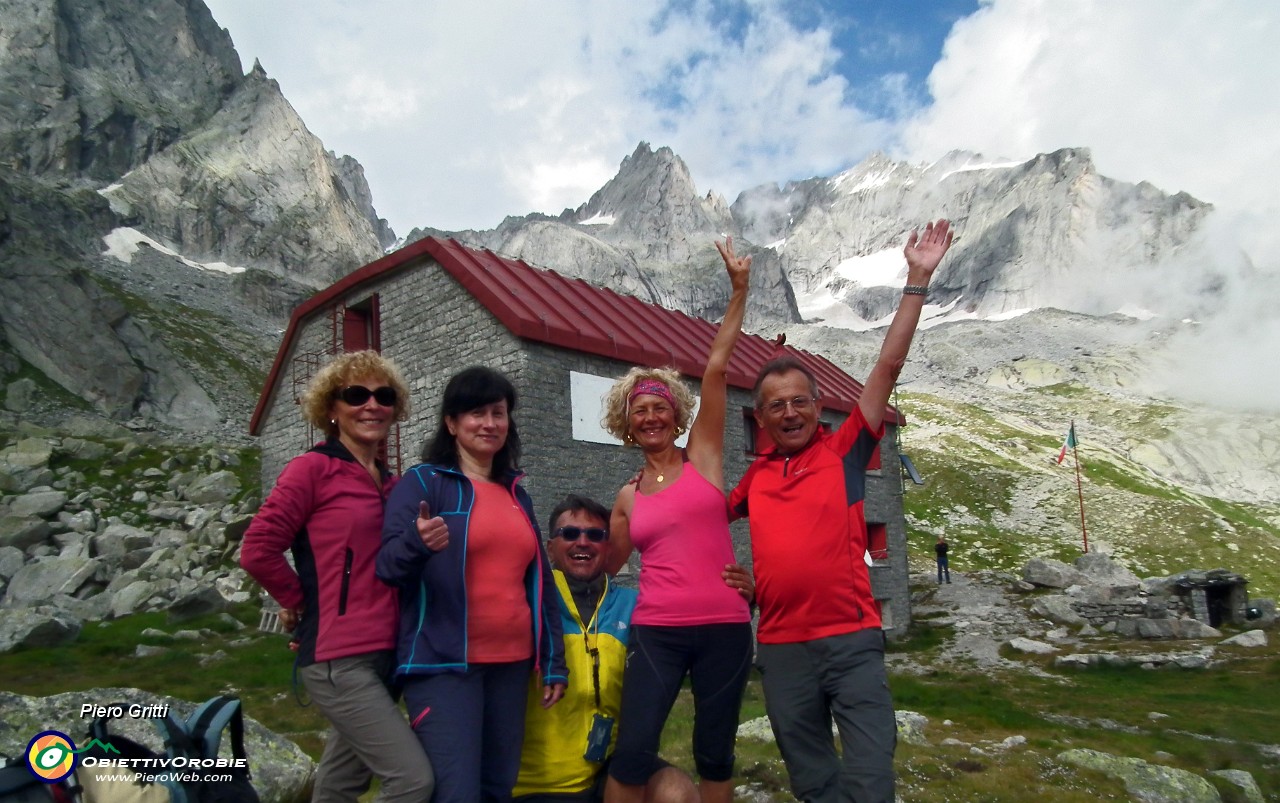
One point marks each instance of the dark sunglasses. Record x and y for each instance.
(594, 534)
(356, 395)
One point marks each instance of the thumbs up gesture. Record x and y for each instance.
(431, 529)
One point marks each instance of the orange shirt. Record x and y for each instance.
(501, 545)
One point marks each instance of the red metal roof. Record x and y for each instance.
(543, 306)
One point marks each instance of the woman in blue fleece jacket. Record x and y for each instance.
(478, 608)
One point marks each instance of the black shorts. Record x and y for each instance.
(717, 659)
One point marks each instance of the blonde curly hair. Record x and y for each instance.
(338, 373)
(617, 400)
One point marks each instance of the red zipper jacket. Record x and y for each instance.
(327, 510)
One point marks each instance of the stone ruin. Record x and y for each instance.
(1103, 593)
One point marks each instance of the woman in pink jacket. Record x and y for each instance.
(326, 508)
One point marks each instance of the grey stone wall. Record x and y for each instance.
(883, 504)
(432, 327)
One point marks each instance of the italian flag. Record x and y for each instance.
(1068, 442)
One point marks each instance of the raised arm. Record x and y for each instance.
(706, 434)
(924, 252)
(619, 546)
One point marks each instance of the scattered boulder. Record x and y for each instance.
(43, 579)
(1057, 608)
(1149, 783)
(1236, 786)
(1050, 573)
(19, 395)
(911, 727)
(200, 601)
(10, 561)
(42, 501)
(218, 487)
(132, 598)
(41, 627)
(1099, 569)
(1249, 638)
(1031, 646)
(25, 465)
(23, 532)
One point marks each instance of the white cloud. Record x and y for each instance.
(1180, 94)
(464, 113)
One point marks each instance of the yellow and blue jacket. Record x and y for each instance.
(555, 739)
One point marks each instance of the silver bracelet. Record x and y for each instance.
(916, 290)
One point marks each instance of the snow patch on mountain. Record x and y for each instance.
(123, 244)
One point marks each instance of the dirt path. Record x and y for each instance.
(984, 616)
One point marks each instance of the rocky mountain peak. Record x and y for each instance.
(653, 198)
(96, 88)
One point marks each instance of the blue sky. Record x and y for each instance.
(463, 113)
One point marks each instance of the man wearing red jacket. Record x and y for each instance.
(821, 649)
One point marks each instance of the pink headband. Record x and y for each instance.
(652, 387)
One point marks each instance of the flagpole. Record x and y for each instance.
(1084, 533)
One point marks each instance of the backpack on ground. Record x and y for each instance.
(18, 784)
(196, 739)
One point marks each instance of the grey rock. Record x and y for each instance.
(80, 449)
(1249, 638)
(279, 767)
(1186, 627)
(1050, 573)
(1155, 628)
(213, 657)
(1148, 783)
(215, 488)
(25, 464)
(91, 606)
(11, 560)
(43, 579)
(1101, 569)
(199, 517)
(1031, 646)
(1076, 661)
(168, 512)
(236, 528)
(1236, 786)
(132, 598)
(42, 502)
(132, 537)
(148, 650)
(23, 532)
(192, 635)
(80, 426)
(1057, 608)
(82, 521)
(200, 602)
(911, 726)
(757, 729)
(43, 627)
(20, 395)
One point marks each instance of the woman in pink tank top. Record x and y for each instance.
(692, 616)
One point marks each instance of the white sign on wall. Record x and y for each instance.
(586, 396)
